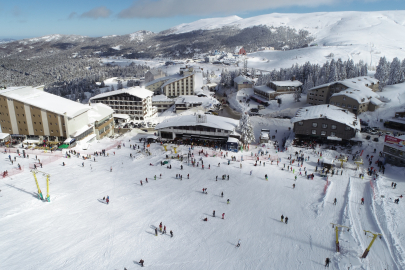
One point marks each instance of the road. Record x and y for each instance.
(227, 111)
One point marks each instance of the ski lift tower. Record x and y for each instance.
(48, 197)
(358, 160)
(342, 159)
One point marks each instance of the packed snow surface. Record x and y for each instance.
(78, 230)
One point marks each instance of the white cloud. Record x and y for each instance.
(95, 13)
(171, 8)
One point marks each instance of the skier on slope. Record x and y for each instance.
(362, 200)
(238, 245)
(223, 215)
(141, 183)
(213, 213)
(327, 261)
(282, 218)
(156, 232)
(164, 229)
(160, 227)
(171, 233)
(286, 220)
(335, 201)
(227, 201)
(222, 194)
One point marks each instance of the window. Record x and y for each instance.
(51, 131)
(314, 124)
(300, 123)
(337, 104)
(333, 134)
(333, 126)
(349, 106)
(323, 133)
(313, 132)
(343, 105)
(344, 98)
(348, 128)
(324, 125)
(355, 107)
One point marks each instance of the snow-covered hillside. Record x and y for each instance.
(359, 35)
(78, 230)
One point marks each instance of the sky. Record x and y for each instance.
(33, 18)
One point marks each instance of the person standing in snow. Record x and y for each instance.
(160, 227)
(238, 245)
(110, 169)
(222, 194)
(141, 262)
(227, 201)
(282, 218)
(155, 231)
(362, 200)
(108, 199)
(223, 215)
(141, 183)
(286, 220)
(327, 261)
(146, 180)
(251, 172)
(164, 229)
(213, 213)
(171, 233)
(335, 201)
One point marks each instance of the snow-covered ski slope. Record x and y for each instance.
(77, 230)
(348, 35)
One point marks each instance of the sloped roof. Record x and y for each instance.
(294, 83)
(99, 111)
(327, 112)
(134, 91)
(45, 100)
(213, 121)
(241, 79)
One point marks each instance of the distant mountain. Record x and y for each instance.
(380, 30)
(6, 40)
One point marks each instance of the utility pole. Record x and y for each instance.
(371, 243)
(337, 226)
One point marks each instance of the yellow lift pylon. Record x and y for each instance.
(48, 197)
(337, 226)
(371, 243)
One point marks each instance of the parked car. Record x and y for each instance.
(368, 137)
(375, 139)
(387, 133)
(372, 132)
(376, 128)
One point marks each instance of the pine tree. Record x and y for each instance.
(395, 72)
(333, 74)
(382, 72)
(246, 129)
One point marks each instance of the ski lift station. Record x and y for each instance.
(199, 127)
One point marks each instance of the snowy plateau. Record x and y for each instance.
(77, 229)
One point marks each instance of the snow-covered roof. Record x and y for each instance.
(121, 115)
(176, 78)
(136, 91)
(213, 121)
(356, 83)
(3, 136)
(99, 111)
(241, 79)
(362, 95)
(161, 98)
(327, 112)
(81, 130)
(376, 101)
(162, 79)
(265, 89)
(211, 84)
(334, 138)
(44, 100)
(233, 140)
(191, 99)
(294, 83)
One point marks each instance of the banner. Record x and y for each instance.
(393, 140)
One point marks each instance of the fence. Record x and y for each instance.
(29, 152)
(325, 188)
